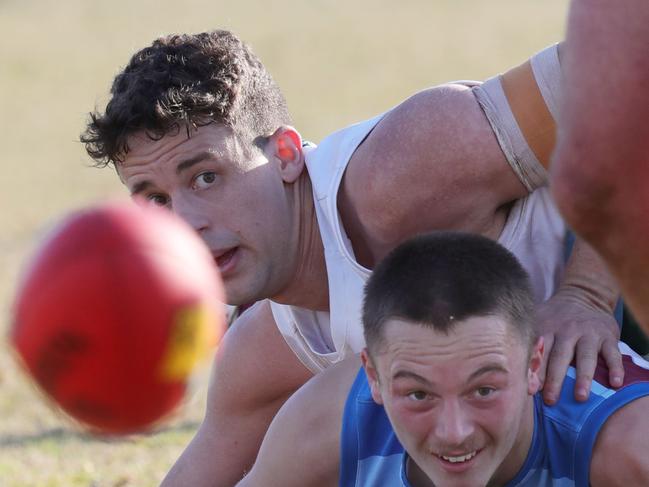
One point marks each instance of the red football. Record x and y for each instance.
(113, 312)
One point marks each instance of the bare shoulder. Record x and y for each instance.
(301, 446)
(423, 158)
(620, 452)
(320, 402)
(255, 321)
(424, 132)
(254, 364)
(334, 381)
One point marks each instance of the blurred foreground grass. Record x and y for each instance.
(338, 62)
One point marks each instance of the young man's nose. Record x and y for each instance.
(454, 425)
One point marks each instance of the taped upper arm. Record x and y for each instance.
(522, 106)
(451, 156)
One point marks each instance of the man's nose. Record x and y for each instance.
(454, 424)
(194, 214)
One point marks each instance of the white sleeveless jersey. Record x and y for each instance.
(534, 232)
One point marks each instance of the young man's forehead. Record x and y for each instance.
(465, 329)
(471, 339)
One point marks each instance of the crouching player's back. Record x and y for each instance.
(448, 392)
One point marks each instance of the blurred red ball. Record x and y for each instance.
(114, 311)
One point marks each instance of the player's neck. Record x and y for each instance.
(309, 286)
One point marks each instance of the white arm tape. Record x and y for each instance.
(494, 103)
(547, 71)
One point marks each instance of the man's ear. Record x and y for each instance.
(285, 145)
(372, 376)
(534, 367)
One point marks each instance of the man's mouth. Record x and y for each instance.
(226, 260)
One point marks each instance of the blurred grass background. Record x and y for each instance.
(337, 61)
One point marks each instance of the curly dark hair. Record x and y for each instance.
(186, 81)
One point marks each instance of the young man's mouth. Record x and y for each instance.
(461, 458)
(458, 463)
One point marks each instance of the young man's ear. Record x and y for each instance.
(285, 145)
(372, 376)
(534, 367)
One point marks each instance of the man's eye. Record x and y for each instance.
(204, 180)
(417, 395)
(158, 199)
(484, 391)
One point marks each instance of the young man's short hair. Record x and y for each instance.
(441, 278)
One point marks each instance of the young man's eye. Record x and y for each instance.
(484, 391)
(204, 180)
(417, 395)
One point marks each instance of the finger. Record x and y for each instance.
(558, 362)
(586, 362)
(613, 358)
(548, 341)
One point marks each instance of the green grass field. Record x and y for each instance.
(338, 63)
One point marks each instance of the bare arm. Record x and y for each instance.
(601, 167)
(302, 446)
(434, 162)
(578, 321)
(254, 373)
(451, 157)
(620, 452)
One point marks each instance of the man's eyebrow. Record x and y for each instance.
(187, 163)
(184, 165)
(406, 374)
(140, 187)
(487, 369)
